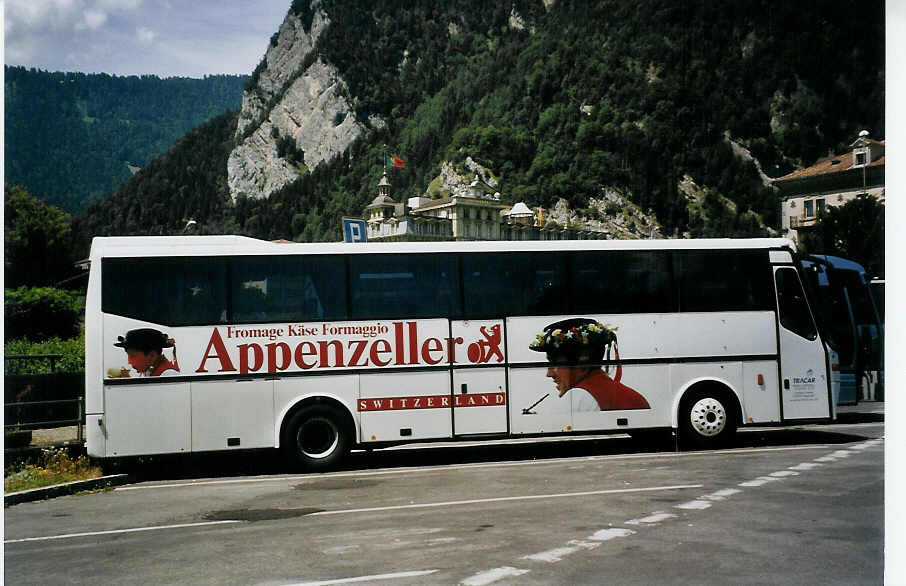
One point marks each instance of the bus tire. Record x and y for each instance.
(316, 438)
(707, 419)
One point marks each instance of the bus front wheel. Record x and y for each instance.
(707, 419)
(315, 438)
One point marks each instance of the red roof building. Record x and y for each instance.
(831, 181)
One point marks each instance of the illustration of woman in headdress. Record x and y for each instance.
(575, 349)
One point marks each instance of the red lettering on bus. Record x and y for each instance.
(413, 342)
(286, 356)
(257, 357)
(301, 353)
(398, 338)
(220, 353)
(338, 353)
(451, 349)
(432, 345)
(357, 351)
(379, 348)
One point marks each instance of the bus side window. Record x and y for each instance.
(283, 288)
(169, 291)
(411, 286)
(723, 280)
(621, 282)
(794, 311)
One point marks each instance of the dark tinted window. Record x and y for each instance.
(170, 291)
(794, 311)
(500, 284)
(723, 280)
(410, 285)
(621, 282)
(287, 288)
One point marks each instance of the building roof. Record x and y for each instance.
(832, 164)
(381, 200)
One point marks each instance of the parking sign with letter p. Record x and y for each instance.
(354, 230)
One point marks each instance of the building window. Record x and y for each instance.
(809, 209)
(820, 206)
(860, 159)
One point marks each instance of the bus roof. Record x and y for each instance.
(136, 246)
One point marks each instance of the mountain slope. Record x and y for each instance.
(71, 137)
(559, 99)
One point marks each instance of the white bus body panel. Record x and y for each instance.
(147, 419)
(242, 410)
(405, 406)
(479, 402)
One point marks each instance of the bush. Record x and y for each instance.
(72, 349)
(39, 313)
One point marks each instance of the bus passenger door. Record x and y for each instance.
(804, 386)
(479, 396)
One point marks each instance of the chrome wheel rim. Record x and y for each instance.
(708, 417)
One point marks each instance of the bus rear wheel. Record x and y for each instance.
(315, 438)
(707, 420)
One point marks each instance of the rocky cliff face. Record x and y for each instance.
(309, 107)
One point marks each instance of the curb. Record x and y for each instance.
(48, 492)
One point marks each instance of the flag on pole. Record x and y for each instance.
(394, 161)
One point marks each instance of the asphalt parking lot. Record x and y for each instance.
(800, 505)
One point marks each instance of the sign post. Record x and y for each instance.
(354, 230)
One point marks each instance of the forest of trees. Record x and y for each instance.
(579, 97)
(71, 136)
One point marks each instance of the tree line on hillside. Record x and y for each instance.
(70, 137)
(583, 96)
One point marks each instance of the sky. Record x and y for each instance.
(186, 38)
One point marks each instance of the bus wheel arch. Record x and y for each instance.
(316, 434)
(708, 415)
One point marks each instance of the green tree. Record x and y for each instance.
(854, 230)
(37, 240)
(40, 313)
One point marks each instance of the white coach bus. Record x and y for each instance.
(209, 343)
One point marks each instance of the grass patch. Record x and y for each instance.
(56, 466)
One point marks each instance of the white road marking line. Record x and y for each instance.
(695, 505)
(805, 466)
(503, 499)
(555, 555)
(118, 531)
(367, 578)
(760, 481)
(826, 459)
(784, 473)
(842, 453)
(315, 477)
(653, 518)
(722, 494)
(493, 575)
(612, 533)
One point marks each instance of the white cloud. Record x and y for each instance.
(145, 35)
(91, 20)
(135, 37)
